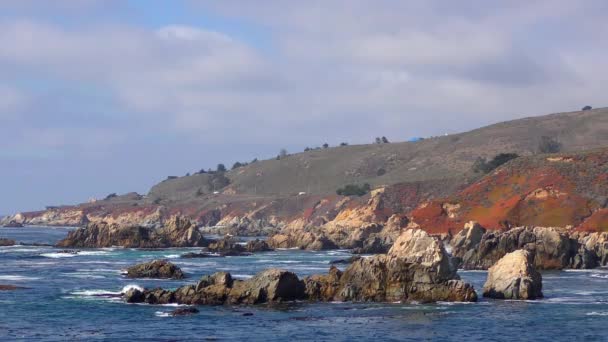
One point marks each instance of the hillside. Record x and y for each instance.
(268, 194)
(448, 157)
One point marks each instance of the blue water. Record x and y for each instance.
(62, 303)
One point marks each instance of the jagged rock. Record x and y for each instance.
(227, 246)
(552, 248)
(269, 286)
(374, 245)
(596, 244)
(514, 277)
(7, 242)
(184, 312)
(13, 224)
(417, 268)
(161, 269)
(321, 287)
(176, 232)
(257, 245)
(345, 261)
(134, 296)
(273, 285)
(193, 255)
(302, 240)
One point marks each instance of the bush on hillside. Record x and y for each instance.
(354, 190)
(587, 108)
(482, 166)
(549, 145)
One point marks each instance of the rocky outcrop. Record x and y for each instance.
(227, 247)
(416, 269)
(6, 242)
(175, 232)
(159, 269)
(346, 261)
(270, 286)
(514, 277)
(551, 248)
(13, 224)
(189, 311)
(257, 245)
(302, 240)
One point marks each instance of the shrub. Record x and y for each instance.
(587, 108)
(326, 145)
(384, 140)
(343, 144)
(217, 181)
(380, 172)
(283, 153)
(482, 166)
(221, 168)
(378, 141)
(549, 145)
(110, 196)
(238, 164)
(354, 190)
(171, 177)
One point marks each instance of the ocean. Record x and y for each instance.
(70, 297)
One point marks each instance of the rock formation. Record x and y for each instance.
(176, 232)
(161, 269)
(514, 277)
(552, 248)
(301, 239)
(416, 269)
(6, 242)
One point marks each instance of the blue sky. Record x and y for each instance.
(102, 96)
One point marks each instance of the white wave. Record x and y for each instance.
(288, 262)
(58, 255)
(17, 278)
(288, 249)
(131, 286)
(596, 313)
(172, 256)
(601, 276)
(242, 276)
(162, 314)
(93, 253)
(85, 276)
(95, 293)
(20, 249)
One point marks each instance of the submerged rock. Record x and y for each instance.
(193, 255)
(11, 287)
(189, 311)
(514, 277)
(345, 261)
(176, 232)
(161, 269)
(6, 242)
(228, 246)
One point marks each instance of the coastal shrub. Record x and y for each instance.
(110, 196)
(171, 177)
(343, 144)
(549, 145)
(482, 166)
(354, 190)
(587, 108)
(380, 172)
(221, 168)
(326, 145)
(239, 164)
(384, 140)
(217, 181)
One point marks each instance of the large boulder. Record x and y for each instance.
(176, 232)
(257, 245)
(552, 248)
(514, 277)
(417, 268)
(227, 246)
(273, 285)
(160, 269)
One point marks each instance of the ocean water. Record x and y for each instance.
(63, 302)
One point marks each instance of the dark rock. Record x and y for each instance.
(551, 248)
(228, 246)
(7, 242)
(161, 269)
(184, 311)
(134, 296)
(257, 245)
(13, 224)
(248, 314)
(193, 255)
(345, 261)
(176, 232)
(11, 287)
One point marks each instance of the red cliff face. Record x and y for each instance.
(554, 191)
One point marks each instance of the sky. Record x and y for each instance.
(103, 96)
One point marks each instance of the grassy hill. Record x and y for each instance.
(447, 157)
